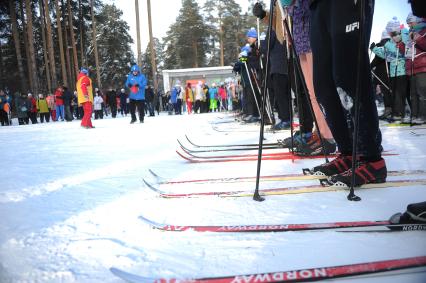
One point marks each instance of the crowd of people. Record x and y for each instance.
(63, 105)
(202, 98)
(399, 70)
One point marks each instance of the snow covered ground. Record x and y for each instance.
(70, 199)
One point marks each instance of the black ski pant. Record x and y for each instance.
(197, 106)
(282, 96)
(400, 95)
(418, 95)
(113, 108)
(140, 105)
(45, 116)
(33, 117)
(68, 113)
(23, 121)
(334, 40)
(99, 114)
(4, 118)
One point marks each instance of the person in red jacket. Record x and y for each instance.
(32, 112)
(85, 97)
(415, 66)
(59, 103)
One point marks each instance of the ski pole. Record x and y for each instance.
(380, 81)
(256, 195)
(267, 100)
(359, 81)
(251, 85)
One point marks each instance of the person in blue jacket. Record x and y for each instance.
(136, 83)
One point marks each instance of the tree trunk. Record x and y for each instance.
(61, 43)
(46, 58)
(152, 49)
(17, 42)
(195, 50)
(138, 36)
(74, 47)
(67, 46)
(27, 52)
(51, 53)
(95, 45)
(82, 52)
(221, 42)
(33, 70)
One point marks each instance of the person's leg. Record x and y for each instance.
(141, 110)
(86, 113)
(306, 62)
(323, 80)
(414, 95)
(282, 96)
(132, 107)
(47, 116)
(421, 90)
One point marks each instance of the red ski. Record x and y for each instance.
(384, 225)
(300, 275)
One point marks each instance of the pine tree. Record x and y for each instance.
(115, 54)
(159, 53)
(227, 27)
(187, 38)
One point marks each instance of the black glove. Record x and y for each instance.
(136, 85)
(372, 45)
(258, 11)
(129, 85)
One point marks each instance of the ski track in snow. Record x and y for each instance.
(71, 198)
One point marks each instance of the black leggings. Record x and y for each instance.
(334, 41)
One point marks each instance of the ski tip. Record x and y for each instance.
(151, 186)
(151, 223)
(155, 174)
(129, 277)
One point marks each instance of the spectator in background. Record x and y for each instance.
(52, 106)
(189, 97)
(4, 108)
(149, 94)
(416, 67)
(43, 109)
(32, 110)
(174, 94)
(59, 101)
(22, 105)
(67, 98)
(97, 106)
(123, 102)
(111, 97)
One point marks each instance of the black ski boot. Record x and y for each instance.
(315, 147)
(365, 173)
(415, 214)
(340, 164)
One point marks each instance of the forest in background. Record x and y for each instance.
(44, 43)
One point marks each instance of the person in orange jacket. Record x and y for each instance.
(85, 97)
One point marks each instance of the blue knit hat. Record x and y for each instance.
(84, 71)
(252, 33)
